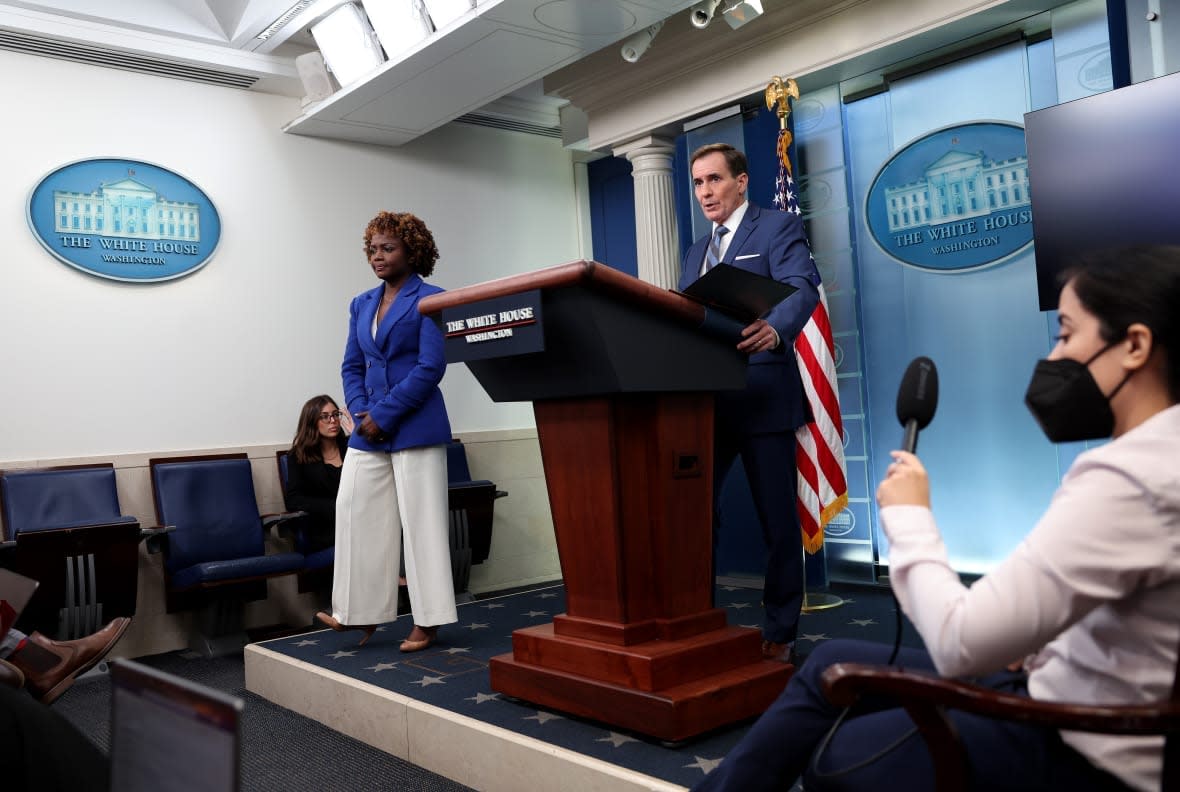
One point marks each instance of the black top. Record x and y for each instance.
(311, 487)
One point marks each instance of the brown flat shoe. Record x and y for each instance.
(410, 645)
(328, 620)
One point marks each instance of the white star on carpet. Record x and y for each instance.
(750, 626)
(616, 739)
(813, 637)
(381, 667)
(480, 698)
(476, 626)
(455, 650)
(543, 717)
(849, 601)
(739, 605)
(338, 655)
(706, 766)
(863, 622)
(535, 614)
(491, 605)
(427, 681)
(546, 596)
(307, 643)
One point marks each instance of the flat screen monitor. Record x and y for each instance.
(15, 593)
(171, 735)
(1104, 172)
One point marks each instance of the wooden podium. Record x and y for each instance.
(621, 380)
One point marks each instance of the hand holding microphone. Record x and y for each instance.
(905, 481)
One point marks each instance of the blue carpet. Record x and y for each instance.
(453, 674)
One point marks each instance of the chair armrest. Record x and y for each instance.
(8, 544)
(156, 537)
(277, 523)
(843, 683)
(85, 525)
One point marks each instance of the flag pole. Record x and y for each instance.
(779, 93)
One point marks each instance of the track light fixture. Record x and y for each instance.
(742, 12)
(702, 13)
(634, 47)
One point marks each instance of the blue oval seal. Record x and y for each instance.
(124, 219)
(953, 200)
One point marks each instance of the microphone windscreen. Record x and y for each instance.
(917, 396)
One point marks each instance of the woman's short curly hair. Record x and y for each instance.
(421, 252)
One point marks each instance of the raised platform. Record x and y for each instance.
(436, 708)
(471, 752)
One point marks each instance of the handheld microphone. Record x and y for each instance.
(917, 398)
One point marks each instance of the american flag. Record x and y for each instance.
(819, 447)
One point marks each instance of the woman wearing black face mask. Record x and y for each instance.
(1090, 599)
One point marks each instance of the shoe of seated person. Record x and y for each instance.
(10, 675)
(50, 667)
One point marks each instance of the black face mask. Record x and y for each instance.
(1066, 401)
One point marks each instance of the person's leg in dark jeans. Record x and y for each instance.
(777, 748)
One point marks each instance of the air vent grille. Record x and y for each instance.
(117, 59)
(284, 18)
(499, 122)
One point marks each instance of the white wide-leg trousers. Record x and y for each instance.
(382, 498)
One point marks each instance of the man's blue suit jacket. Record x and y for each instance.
(773, 244)
(394, 377)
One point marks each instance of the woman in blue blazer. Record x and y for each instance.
(394, 480)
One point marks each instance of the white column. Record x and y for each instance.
(656, 241)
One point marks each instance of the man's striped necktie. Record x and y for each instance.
(713, 254)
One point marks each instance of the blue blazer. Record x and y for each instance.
(394, 377)
(773, 244)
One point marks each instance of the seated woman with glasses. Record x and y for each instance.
(313, 467)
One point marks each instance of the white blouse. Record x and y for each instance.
(1092, 593)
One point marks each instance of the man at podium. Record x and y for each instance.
(759, 422)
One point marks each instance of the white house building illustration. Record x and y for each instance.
(126, 208)
(958, 185)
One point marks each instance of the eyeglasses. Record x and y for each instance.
(330, 416)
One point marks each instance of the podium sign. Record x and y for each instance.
(622, 391)
(498, 327)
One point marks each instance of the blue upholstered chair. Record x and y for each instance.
(63, 527)
(217, 548)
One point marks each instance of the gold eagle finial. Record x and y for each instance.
(778, 95)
